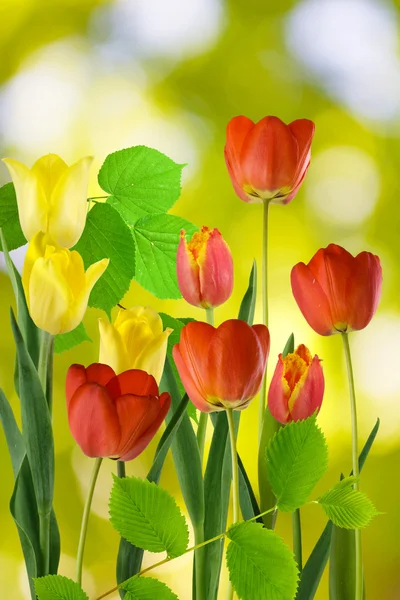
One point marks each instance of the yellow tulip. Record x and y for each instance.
(136, 340)
(52, 197)
(56, 285)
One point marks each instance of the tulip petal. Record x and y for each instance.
(278, 394)
(112, 348)
(311, 299)
(236, 132)
(31, 199)
(193, 347)
(48, 169)
(133, 381)
(138, 326)
(215, 270)
(76, 376)
(264, 339)
(363, 290)
(303, 131)
(92, 275)
(308, 394)
(69, 203)
(190, 384)
(152, 356)
(93, 421)
(141, 417)
(187, 271)
(269, 157)
(139, 314)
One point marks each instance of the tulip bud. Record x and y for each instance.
(222, 367)
(111, 415)
(136, 340)
(297, 386)
(56, 286)
(52, 197)
(205, 268)
(338, 292)
(267, 161)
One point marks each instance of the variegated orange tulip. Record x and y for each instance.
(338, 292)
(297, 386)
(205, 268)
(267, 161)
(222, 367)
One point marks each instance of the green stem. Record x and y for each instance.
(296, 526)
(85, 519)
(192, 549)
(202, 428)
(44, 533)
(263, 391)
(356, 471)
(235, 469)
(45, 353)
(97, 198)
(121, 472)
(199, 562)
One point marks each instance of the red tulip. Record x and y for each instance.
(337, 292)
(297, 387)
(110, 415)
(222, 367)
(268, 160)
(205, 268)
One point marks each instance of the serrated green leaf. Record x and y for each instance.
(141, 181)
(347, 507)
(297, 458)
(106, 235)
(147, 588)
(261, 566)
(177, 324)
(58, 587)
(147, 516)
(9, 218)
(157, 239)
(66, 341)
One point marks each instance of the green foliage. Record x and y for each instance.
(15, 442)
(9, 219)
(261, 566)
(66, 341)
(141, 181)
(106, 235)
(297, 458)
(57, 587)
(289, 346)
(147, 516)
(147, 588)
(248, 304)
(157, 239)
(347, 507)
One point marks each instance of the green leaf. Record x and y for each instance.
(248, 502)
(147, 516)
(15, 442)
(347, 507)
(297, 458)
(261, 566)
(147, 588)
(66, 341)
(185, 452)
(157, 239)
(36, 424)
(316, 563)
(177, 325)
(58, 587)
(141, 181)
(9, 218)
(289, 346)
(248, 304)
(106, 235)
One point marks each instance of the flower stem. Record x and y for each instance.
(356, 471)
(235, 480)
(85, 519)
(45, 353)
(263, 391)
(297, 550)
(202, 429)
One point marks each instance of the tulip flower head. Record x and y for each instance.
(205, 268)
(267, 161)
(338, 292)
(297, 386)
(52, 197)
(222, 367)
(135, 340)
(113, 416)
(56, 286)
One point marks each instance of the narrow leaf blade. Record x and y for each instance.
(9, 218)
(15, 442)
(248, 304)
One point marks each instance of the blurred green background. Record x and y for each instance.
(84, 77)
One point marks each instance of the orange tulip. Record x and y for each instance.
(337, 292)
(268, 160)
(222, 367)
(297, 387)
(205, 268)
(111, 415)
